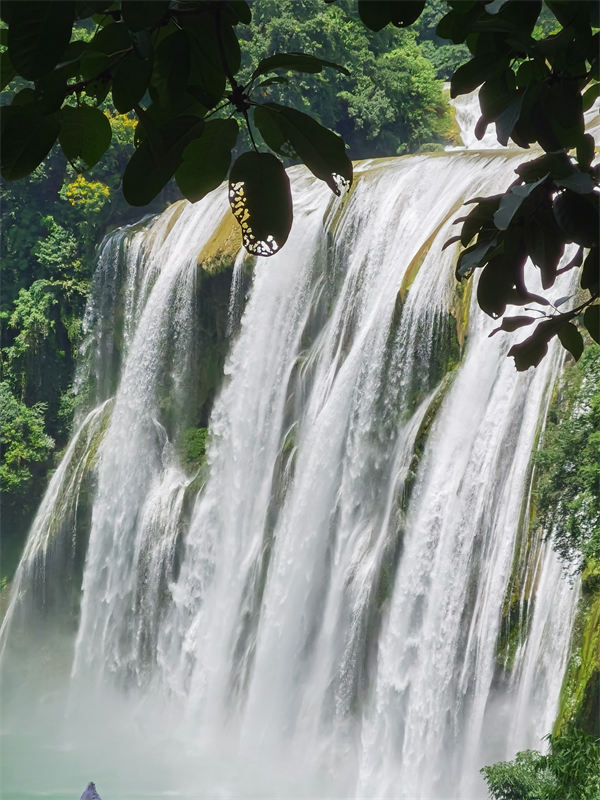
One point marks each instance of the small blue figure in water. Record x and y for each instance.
(90, 793)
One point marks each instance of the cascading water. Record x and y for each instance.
(319, 612)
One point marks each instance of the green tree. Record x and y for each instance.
(570, 771)
(23, 439)
(444, 56)
(568, 484)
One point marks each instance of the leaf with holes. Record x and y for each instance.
(261, 201)
(85, 134)
(206, 160)
(286, 131)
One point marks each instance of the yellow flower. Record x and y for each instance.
(81, 192)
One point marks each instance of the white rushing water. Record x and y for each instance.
(320, 614)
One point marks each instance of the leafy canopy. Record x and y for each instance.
(23, 439)
(177, 66)
(535, 90)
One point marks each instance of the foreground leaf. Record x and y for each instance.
(27, 136)
(590, 274)
(376, 14)
(511, 324)
(7, 71)
(577, 216)
(571, 339)
(206, 160)
(145, 175)
(261, 201)
(157, 157)
(139, 14)
(591, 320)
(37, 35)
(290, 132)
(530, 352)
(512, 201)
(85, 134)
(130, 81)
(295, 62)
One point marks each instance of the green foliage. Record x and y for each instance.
(570, 771)
(568, 483)
(580, 692)
(444, 56)
(23, 440)
(58, 252)
(90, 196)
(85, 134)
(526, 778)
(532, 86)
(192, 448)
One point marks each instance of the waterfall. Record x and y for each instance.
(318, 612)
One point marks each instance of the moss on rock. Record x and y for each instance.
(192, 448)
(580, 694)
(221, 250)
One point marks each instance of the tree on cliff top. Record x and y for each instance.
(176, 66)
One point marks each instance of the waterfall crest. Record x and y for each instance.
(320, 613)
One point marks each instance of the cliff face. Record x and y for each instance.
(580, 695)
